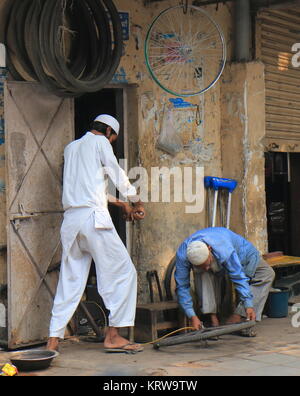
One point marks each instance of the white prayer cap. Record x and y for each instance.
(110, 121)
(197, 252)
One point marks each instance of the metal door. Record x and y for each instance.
(38, 125)
(276, 32)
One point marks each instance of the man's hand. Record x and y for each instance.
(251, 315)
(138, 211)
(131, 213)
(196, 323)
(127, 210)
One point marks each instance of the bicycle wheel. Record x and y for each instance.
(185, 51)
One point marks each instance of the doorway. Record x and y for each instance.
(87, 108)
(282, 176)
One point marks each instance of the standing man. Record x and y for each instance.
(212, 249)
(88, 233)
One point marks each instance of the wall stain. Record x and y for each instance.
(18, 149)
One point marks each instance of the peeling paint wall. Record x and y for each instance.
(3, 74)
(243, 130)
(223, 137)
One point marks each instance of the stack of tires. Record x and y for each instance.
(71, 47)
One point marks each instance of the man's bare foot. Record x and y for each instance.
(235, 318)
(214, 320)
(52, 344)
(114, 341)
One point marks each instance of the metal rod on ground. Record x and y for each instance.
(204, 334)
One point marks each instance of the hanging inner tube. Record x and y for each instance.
(71, 47)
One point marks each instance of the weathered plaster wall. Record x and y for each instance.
(167, 224)
(225, 144)
(243, 129)
(2, 185)
(2, 165)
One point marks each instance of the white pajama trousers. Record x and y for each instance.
(116, 278)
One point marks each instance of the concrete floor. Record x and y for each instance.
(274, 352)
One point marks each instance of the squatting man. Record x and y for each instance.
(216, 249)
(88, 233)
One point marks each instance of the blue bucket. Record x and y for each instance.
(278, 303)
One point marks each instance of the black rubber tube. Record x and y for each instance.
(16, 46)
(110, 66)
(33, 39)
(9, 49)
(204, 334)
(34, 53)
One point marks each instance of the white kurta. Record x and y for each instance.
(88, 233)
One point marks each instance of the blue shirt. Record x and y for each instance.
(232, 252)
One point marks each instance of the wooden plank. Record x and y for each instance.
(159, 306)
(283, 261)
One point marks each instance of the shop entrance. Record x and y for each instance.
(283, 202)
(87, 108)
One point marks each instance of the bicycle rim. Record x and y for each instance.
(185, 52)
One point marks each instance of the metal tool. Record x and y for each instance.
(204, 334)
(216, 184)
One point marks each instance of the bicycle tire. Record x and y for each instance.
(205, 334)
(33, 52)
(17, 37)
(169, 274)
(110, 67)
(35, 55)
(9, 56)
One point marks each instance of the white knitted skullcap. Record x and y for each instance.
(197, 252)
(110, 121)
